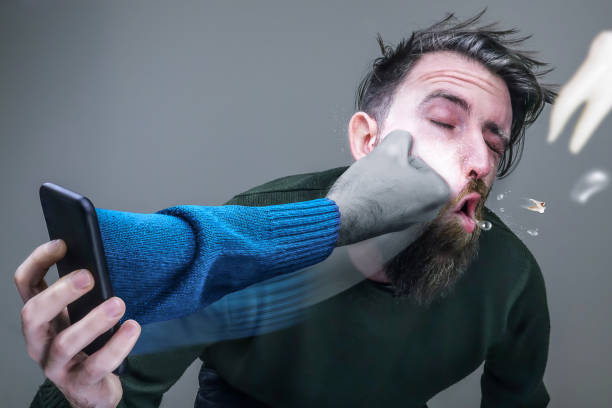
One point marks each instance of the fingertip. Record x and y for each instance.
(400, 134)
(132, 322)
(132, 327)
(575, 148)
(56, 246)
(120, 303)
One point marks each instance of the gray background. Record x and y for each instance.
(145, 105)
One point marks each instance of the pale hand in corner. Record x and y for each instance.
(591, 85)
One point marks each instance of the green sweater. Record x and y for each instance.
(363, 347)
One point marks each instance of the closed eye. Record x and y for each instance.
(499, 152)
(442, 124)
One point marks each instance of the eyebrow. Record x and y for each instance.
(465, 106)
(462, 103)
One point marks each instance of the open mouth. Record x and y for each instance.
(466, 209)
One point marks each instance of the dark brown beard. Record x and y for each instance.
(429, 268)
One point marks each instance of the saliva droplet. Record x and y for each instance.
(533, 232)
(500, 197)
(484, 224)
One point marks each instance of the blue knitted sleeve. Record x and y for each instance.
(173, 262)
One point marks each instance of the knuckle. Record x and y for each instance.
(31, 352)
(21, 276)
(27, 314)
(18, 276)
(49, 374)
(89, 372)
(54, 375)
(60, 347)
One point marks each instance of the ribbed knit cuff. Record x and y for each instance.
(238, 246)
(304, 233)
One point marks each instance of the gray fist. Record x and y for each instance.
(388, 190)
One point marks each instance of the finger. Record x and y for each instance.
(108, 358)
(75, 338)
(45, 306)
(29, 275)
(592, 115)
(397, 143)
(571, 96)
(418, 163)
(601, 46)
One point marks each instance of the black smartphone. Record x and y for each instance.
(72, 217)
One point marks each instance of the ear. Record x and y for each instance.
(362, 131)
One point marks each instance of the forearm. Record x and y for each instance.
(171, 263)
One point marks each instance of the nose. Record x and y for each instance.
(477, 159)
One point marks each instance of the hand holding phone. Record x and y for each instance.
(72, 218)
(66, 325)
(55, 344)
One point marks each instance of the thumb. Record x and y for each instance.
(417, 163)
(397, 143)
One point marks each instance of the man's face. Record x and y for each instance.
(459, 115)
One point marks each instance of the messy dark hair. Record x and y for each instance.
(489, 45)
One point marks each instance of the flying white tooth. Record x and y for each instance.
(534, 205)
